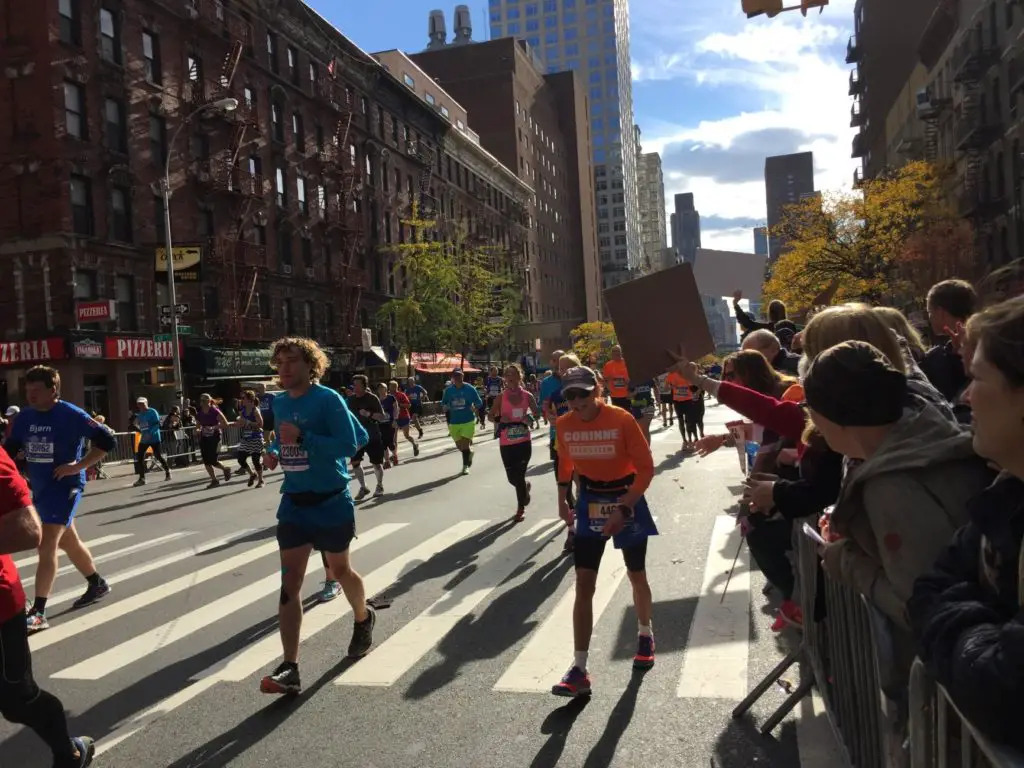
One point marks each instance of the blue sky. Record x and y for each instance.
(713, 92)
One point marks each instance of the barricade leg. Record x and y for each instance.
(787, 706)
(922, 717)
(769, 680)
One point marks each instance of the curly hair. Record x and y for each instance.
(310, 351)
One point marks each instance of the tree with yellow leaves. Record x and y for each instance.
(592, 342)
(887, 243)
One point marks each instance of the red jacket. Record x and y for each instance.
(784, 418)
(14, 495)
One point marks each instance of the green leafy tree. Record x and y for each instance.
(593, 341)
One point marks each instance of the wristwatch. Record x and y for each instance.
(626, 512)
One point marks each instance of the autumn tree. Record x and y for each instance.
(886, 243)
(593, 341)
(454, 294)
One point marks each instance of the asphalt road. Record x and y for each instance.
(165, 672)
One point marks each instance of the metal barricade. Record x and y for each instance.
(175, 445)
(941, 737)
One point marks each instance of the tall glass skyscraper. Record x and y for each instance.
(592, 38)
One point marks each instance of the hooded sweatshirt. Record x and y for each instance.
(898, 509)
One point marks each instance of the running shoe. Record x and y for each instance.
(416, 449)
(465, 470)
(330, 591)
(520, 515)
(215, 483)
(138, 483)
(167, 475)
(93, 594)
(363, 493)
(86, 749)
(378, 491)
(252, 479)
(284, 680)
(394, 460)
(260, 483)
(362, 635)
(36, 622)
(644, 658)
(529, 489)
(227, 475)
(574, 683)
(789, 615)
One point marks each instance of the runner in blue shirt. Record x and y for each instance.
(52, 433)
(460, 402)
(417, 397)
(316, 435)
(148, 422)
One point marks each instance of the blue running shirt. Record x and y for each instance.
(462, 403)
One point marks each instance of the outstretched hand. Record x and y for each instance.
(682, 365)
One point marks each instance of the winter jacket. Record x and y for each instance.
(920, 386)
(967, 613)
(945, 369)
(899, 508)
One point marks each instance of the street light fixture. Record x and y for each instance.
(229, 104)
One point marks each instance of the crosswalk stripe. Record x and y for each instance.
(119, 553)
(155, 565)
(715, 660)
(250, 660)
(125, 606)
(543, 661)
(388, 662)
(91, 545)
(180, 627)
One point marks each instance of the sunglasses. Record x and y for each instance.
(576, 394)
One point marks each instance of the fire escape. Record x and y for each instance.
(229, 177)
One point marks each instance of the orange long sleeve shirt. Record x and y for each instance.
(608, 448)
(616, 378)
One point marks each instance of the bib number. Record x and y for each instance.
(294, 458)
(516, 431)
(39, 452)
(618, 381)
(598, 513)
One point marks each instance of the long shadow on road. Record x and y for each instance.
(603, 752)
(556, 727)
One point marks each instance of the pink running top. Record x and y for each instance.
(514, 427)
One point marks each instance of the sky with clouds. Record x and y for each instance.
(714, 93)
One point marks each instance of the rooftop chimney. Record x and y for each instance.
(463, 26)
(437, 30)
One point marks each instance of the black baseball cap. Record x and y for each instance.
(580, 377)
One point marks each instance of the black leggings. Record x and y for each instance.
(140, 458)
(516, 459)
(685, 412)
(257, 461)
(22, 701)
(769, 542)
(696, 423)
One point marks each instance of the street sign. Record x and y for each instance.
(162, 337)
(166, 320)
(179, 310)
(184, 330)
(165, 310)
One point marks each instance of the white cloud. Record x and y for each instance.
(793, 66)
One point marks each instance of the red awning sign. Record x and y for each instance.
(440, 362)
(36, 351)
(121, 348)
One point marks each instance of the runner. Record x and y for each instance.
(267, 412)
(509, 411)
(554, 405)
(388, 432)
(682, 398)
(316, 433)
(461, 402)
(51, 432)
(366, 406)
(643, 404)
(665, 396)
(404, 417)
(21, 700)
(211, 420)
(492, 388)
(417, 397)
(481, 411)
(251, 445)
(148, 422)
(606, 446)
(616, 377)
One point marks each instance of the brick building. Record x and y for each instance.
(280, 209)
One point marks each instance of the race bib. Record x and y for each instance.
(598, 513)
(209, 431)
(458, 402)
(251, 434)
(618, 381)
(517, 413)
(682, 392)
(39, 451)
(294, 458)
(516, 431)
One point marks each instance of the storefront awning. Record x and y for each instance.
(375, 357)
(440, 362)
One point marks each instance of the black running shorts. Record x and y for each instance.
(373, 449)
(332, 540)
(588, 551)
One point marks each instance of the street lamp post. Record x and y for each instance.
(223, 105)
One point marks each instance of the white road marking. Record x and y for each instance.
(93, 544)
(715, 660)
(180, 627)
(119, 553)
(388, 662)
(543, 661)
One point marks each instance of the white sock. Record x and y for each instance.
(378, 472)
(645, 630)
(358, 472)
(580, 660)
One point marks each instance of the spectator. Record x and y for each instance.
(783, 328)
(767, 343)
(950, 303)
(967, 613)
(899, 324)
(899, 508)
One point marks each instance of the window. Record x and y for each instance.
(74, 110)
(288, 315)
(281, 193)
(319, 132)
(272, 52)
(284, 245)
(570, 33)
(444, 111)
(81, 205)
(159, 224)
(309, 326)
(513, 13)
(531, 9)
(300, 184)
(277, 122)
(115, 133)
(206, 223)
(158, 140)
(124, 295)
(120, 215)
(407, 79)
(307, 252)
(70, 22)
(293, 64)
(314, 75)
(151, 57)
(533, 25)
(85, 284)
(110, 37)
(299, 132)
(430, 98)
(211, 301)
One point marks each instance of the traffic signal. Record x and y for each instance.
(772, 8)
